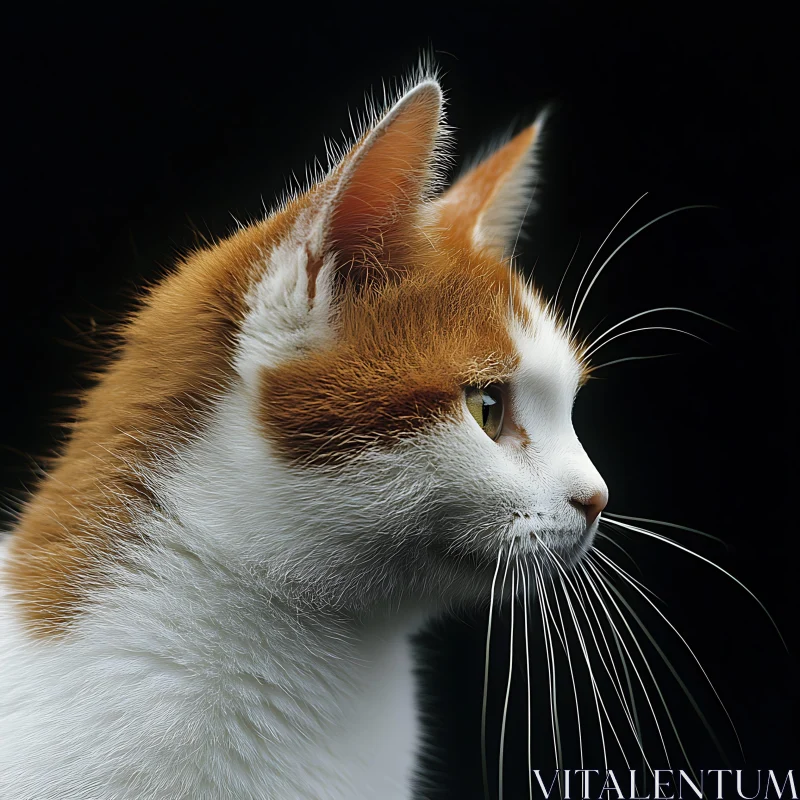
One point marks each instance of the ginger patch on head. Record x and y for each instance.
(400, 361)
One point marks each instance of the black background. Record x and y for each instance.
(135, 134)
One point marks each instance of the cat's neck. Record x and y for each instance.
(329, 690)
(205, 533)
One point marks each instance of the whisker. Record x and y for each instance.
(615, 679)
(571, 672)
(606, 586)
(525, 588)
(589, 353)
(512, 272)
(653, 311)
(486, 680)
(638, 583)
(632, 698)
(619, 247)
(606, 538)
(524, 217)
(598, 700)
(616, 682)
(596, 693)
(508, 685)
(571, 323)
(666, 524)
(595, 367)
(569, 264)
(551, 679)
(624, 575)
(669, 541)
(632, 663)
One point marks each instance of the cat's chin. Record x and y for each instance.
(569, 550)
(544, 555)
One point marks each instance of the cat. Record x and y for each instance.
(316, 435)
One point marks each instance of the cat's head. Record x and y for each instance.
(408, 394)
(357, 398)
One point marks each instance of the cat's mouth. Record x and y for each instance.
(553, 546)
(552, 550)
(571, 547)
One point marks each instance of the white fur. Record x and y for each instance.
(206, 690)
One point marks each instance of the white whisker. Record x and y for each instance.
(631, 661)
(619, 247)
(522, 220)
(571, 671)
(569, 264)
(606, 538)
(632, 697)
(551, 679)
(508, 685)
(596, 689)
(653, 311)
(669, 541)
(486, 680)
(525, 589)
(608, 588)
(615, 679)
(665, 524)
(598, 700)
(624, 575)
(595, 367)
(571, 323)
(589, 353)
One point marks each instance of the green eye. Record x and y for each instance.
(486, 406)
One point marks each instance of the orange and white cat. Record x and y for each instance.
(316, 434)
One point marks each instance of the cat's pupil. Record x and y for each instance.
(488, 402)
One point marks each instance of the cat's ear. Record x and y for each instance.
(364, 212)
(351, 230)
(486, 207)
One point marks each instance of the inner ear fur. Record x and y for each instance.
(485, 208)
(367, 211)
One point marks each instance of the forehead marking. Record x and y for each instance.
(548, 373)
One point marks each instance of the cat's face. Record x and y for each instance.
(412, 394)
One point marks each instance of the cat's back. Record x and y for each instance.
(131, 703)
(96, 714)
(49, 702)
(26, 691)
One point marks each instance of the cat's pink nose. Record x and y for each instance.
(591, 506)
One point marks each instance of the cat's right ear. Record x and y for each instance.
(365, 212)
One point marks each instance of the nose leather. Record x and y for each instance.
(591, 506)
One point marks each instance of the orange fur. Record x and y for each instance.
(460, 209)
(400, 361)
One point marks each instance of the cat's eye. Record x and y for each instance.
(486, 406)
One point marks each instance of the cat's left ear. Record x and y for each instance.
(354, 230)
(486, 207)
